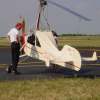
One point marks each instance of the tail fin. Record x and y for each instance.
(23, 40)
(23, 32)
(93, 58)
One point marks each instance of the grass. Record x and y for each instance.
(4, 42)
(51, 89)
(80, 41)
(76, 41)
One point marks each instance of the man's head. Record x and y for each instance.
(19, 26)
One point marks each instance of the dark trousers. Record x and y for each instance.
(15, 52)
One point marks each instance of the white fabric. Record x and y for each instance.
(68, 57)
(48, 52)
(13, 34)
(47, 43)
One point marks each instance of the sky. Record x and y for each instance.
(60, 21)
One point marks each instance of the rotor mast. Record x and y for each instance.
(42, 4)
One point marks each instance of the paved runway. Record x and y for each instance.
(37, 69)
(5, 55)
(29, 72)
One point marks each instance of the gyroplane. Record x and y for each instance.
(41, 44)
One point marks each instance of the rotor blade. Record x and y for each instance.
(70, 11)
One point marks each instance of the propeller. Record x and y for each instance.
(69, 10)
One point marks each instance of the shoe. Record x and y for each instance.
(9, 69)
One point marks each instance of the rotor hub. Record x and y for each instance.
(43, 3)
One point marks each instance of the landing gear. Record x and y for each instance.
(51, 68)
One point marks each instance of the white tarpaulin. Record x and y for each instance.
(68, 57)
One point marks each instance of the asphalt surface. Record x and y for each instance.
(37, 69)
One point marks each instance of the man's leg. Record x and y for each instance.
(11, 67)
(16, 60)
(17, 53)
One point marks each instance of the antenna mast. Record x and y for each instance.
(42, 4)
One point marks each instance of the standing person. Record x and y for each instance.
(13, 36)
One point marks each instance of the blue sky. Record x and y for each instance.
(61, 21)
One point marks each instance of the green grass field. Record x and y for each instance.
(51, 89)
(76, 41)
(54, 88)
(80, 41)
(4, 42)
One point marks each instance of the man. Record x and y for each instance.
(13, 36)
